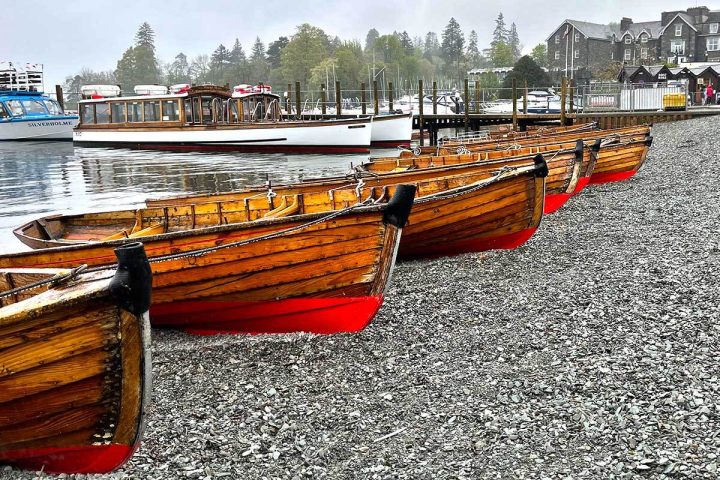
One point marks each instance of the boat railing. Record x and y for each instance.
(253, 116)
(270, 110)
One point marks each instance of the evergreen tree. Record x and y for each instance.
(239, 70)
(258, 51)
(179, 70)
(370, 38)
(500, 34)
(273, 51)
(473, 53)
(406, 43)
(125, 70)
(514, 42)
(453, 42)
(527, 70)
(258, 63)
(237, 54)
(501, 55)
(431, 48)
(138, 64)
(199, 69)
(219, 64)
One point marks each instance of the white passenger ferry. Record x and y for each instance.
(209, 117)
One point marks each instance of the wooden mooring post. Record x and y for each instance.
(391, 105)
(376, 101)
(467, 105)
(477, 96)
(363, 98)
(323, 98)
(420, 112)
(338, 99)
(514, 104)
(60, 97)
(434, 98)
(298, 100)
(288, 100)
(572, 95)
(525, 99)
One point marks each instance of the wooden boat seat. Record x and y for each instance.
(156, 229)
(284, 210)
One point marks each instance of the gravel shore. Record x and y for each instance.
(591, 352)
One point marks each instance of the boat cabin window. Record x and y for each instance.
(34, 107)
(152, 111)
(87, 113)
(234, 115)
(53, 107)
(3, 112)
(170, 111)
(16, 109)
(188, 103)
(211, 109)
(118, 112)
(134, 112)
(102, 113)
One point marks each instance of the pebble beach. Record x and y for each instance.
(591, 352)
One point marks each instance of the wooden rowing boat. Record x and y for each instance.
(74, 365)
(458, 208)
(496, 205)
(642, 131)
(244, 266)
(620, 158)
(504, 134)
(570, 166)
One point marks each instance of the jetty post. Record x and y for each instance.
(467, 105)
(338, 99)
(525, 99)
(60, 97)
(391, 106)
(477, 96)
(515, 106)
(363, 98)
(298, 100)
(434, 98)
(420, 112)
(376, 103)
(563, 98)
(323, 98)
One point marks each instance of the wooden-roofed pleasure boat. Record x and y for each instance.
(244, 267)
(74, 365)
(211, 118)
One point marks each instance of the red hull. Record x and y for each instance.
(178, 147)
(391, 144)
(600, 178)
(502, 242)
(82, 459)
(582, 183)
(315, 315)
(553, 202)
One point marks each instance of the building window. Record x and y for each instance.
(577, 37)
(713, 44)
(577, 53)
(628, 54)
(557, 39)
(612, 55)
(557, 55)
(677, 46)
(628, 40)
(713, 28)
(678, 30)
(643, 53)
(643, 38)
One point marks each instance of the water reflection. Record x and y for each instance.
(39, 178)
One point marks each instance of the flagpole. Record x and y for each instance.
(566, 50)
(572, 54)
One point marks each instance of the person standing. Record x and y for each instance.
(710, 94)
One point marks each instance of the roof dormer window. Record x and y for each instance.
(678, 30)
(713, 28)
(644, 38)
(628, 40)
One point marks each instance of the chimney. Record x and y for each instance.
(625, 24)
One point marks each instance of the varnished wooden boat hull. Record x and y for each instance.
(263, 285)
(74, 370)
(620, 162)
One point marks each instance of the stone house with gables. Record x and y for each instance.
(682, 36)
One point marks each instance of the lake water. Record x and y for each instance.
(42, 178)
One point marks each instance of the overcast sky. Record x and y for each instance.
(66, 36)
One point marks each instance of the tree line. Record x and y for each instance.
(312, 57)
